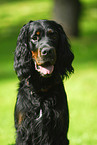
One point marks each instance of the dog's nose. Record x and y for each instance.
(47, 51)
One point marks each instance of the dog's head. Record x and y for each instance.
(43, 47)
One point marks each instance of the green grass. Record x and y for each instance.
(16, 14)
(7, 101)
(82, 96)
(80, 87)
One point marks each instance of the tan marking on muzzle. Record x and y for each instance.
(36, 55)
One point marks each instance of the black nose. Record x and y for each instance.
(47, 51)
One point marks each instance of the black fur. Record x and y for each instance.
(41, 111)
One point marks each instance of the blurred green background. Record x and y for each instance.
(81, 87)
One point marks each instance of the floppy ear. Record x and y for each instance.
(65, 56)
(22, 58)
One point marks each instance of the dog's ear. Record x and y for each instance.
(65, 55)
(22, 58)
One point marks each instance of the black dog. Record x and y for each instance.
(42, 59)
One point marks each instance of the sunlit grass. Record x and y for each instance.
(88, 1)
(88, 19)
(82, 96)
(16, 12)
(7, 102)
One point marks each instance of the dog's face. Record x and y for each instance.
(43, 42)
(42, 47)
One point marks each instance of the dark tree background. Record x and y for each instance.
(67, 13)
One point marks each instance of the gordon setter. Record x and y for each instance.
(42, 58)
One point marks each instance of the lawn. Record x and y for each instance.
(81, 87)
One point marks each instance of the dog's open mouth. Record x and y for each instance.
(44, 70)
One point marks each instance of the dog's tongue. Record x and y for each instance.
(45, 70)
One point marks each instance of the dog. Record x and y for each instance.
(43, 57)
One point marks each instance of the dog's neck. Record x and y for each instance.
(45, 84)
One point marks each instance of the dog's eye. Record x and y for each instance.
(52, 34)
(50, 31)
(36, 36)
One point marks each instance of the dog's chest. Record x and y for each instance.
(39, 116)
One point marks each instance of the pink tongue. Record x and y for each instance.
(46, 70)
